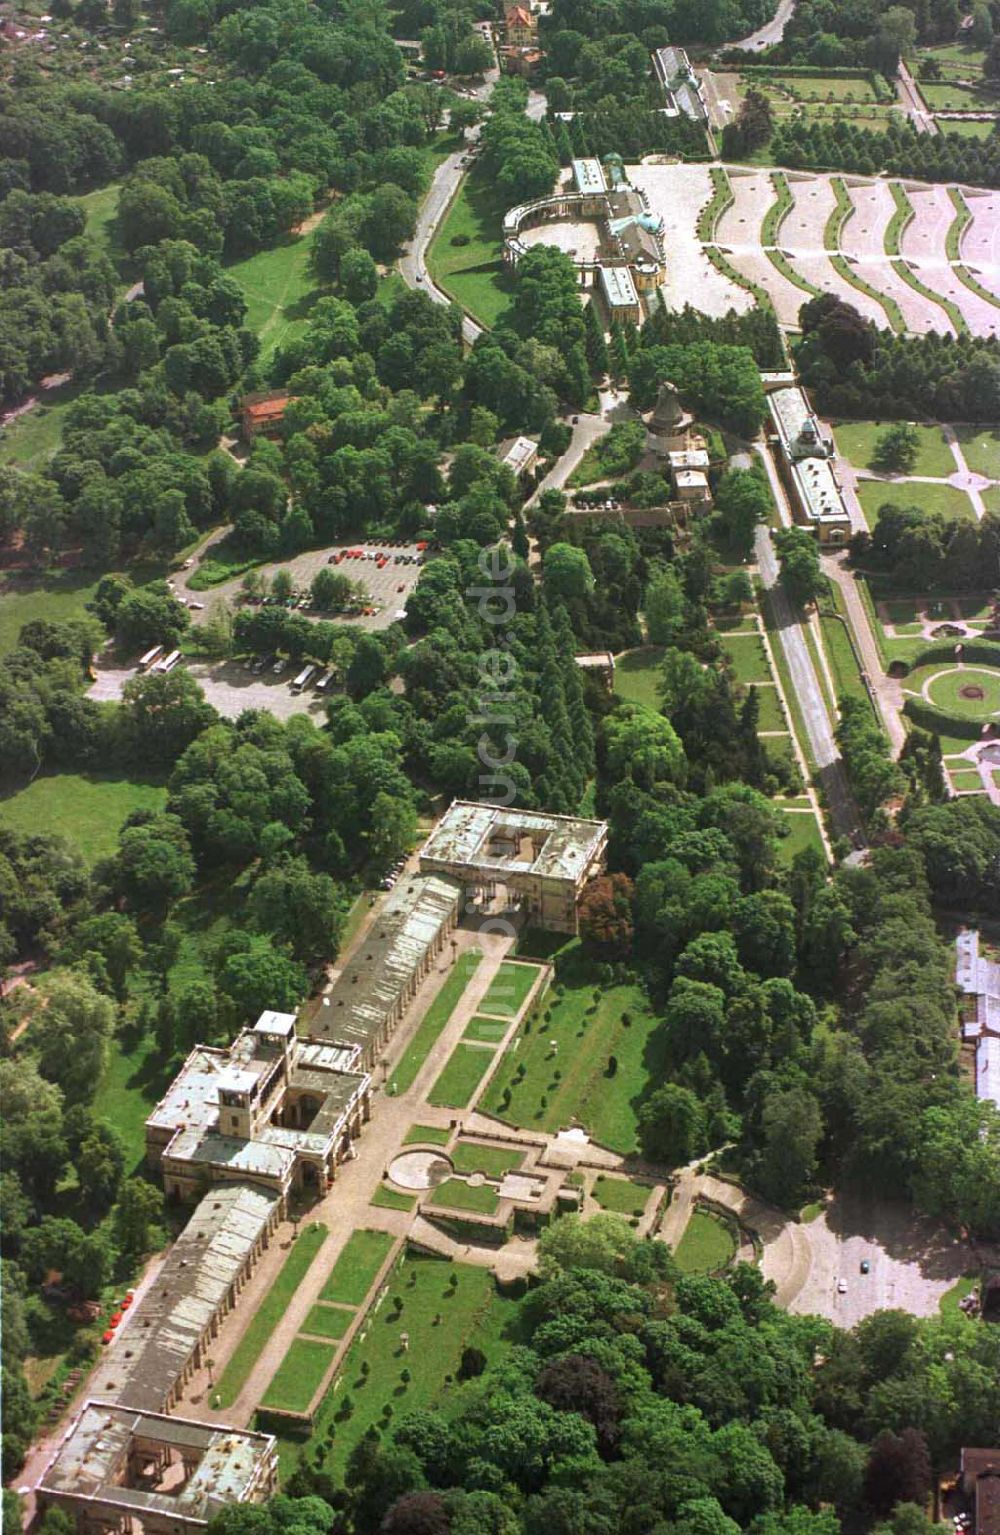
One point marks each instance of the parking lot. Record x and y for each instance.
(387, 583)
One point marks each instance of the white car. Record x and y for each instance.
(841, 1286)
(279, 667)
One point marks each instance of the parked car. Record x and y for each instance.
(279, 666)
(865, 1266)
(841, 1286)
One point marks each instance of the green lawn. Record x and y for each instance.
(621, 1195)
(280, 289)
(946, 689)
(328, 1321)
(486, 1031)
(748, 658)
(942, 96)
(391, 1199)
(819, 87)
(441, 1320)
(772, 716)
(269, 1313)
(856, 440)
(434, 1020)
(52, 595)
(456, 1194)
(100, 209)
(88, 809)
(959, 58)
(132, 1083)
(839, 651)
(540, 1087)
(494, 1161)
(966, 780)
(637, 676)
(803, 832)
(353, 1274)
(429, 1135)
(706, 1245)
(981, 447)
(946, 499)
(473, 272)
(297, 1378)
(462, 1074)
(948, 1304)
(508, 989)
(967, 127)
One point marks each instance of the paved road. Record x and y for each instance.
(586, 431)
(413, 264)
(912, 102)
(772, 33)
(809, 693)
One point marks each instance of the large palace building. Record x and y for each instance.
(240, 1129)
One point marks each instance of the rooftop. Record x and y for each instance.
(375, 976)
(805, 455)
(518, 453)
(161, 1331)
(618, 287)
(588, 176)
(94, 1462)
(491, 839)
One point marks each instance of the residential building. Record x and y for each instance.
(263, 414)
(520, 25)
(519, 454)
(980, 1475)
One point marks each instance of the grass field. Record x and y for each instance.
(856, 441)
(456, 1194)
(945, 689)
(486, 1031)
(391, 1199)
(328, 1321)
(772, 715)
(508, 989)
(88, 809)
(957, 59)
(426, 1135)
(948, 1304)
(748, 658)
(637, 676)
(133, 1081)
(100, 209)
(967, 128)
(803, 832)
(621, 1195)
(280, 289)
(494, 1161)
(53, 595)
(540, 1087)
(966, 781)
(462, 1073)
(270, 1312)
(434, 1020)
(441, 1318)
(946, 499)
(353, 1274)
(942, 96)
(706, 1245)
(296, 1380)
(981, 448)
(473, 271)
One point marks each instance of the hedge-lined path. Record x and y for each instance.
(887, 690)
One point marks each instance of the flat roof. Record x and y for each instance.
(465, 831)
(619, 289)
(589, 175)
(271, 1022)
(691, 479)
(368, 989)
(517, 453)
(815, 480)
(597, 658)
(988, 1068)
(688, 458)
(162, 1330)
(91, 1462)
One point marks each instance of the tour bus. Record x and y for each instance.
(322, 683)
(167, 663)
(302, 680)
(146, 661)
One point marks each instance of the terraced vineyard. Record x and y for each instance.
(911, 257)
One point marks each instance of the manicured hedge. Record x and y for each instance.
(943, 724)
(980, 652)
